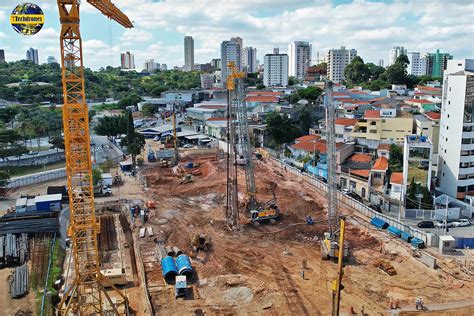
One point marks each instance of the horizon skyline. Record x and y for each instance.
(370, 27)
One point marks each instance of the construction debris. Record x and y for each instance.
(19, 281)
(201, 242)
(385, 266)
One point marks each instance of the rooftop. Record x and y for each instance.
(345, 121)
(361, 173)
(420, 101)
(433, 115)
(383, 147)
(428, 88)
(361, 158)
(381, 164)
(372, 114)
(258, 98)
(396, 178)
(307, 137)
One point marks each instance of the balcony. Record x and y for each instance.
(467, 134)
(468, 158)
(466, 170)
(467, 146)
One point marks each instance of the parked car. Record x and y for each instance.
(376, 208)
(187, 146)
(425, 224)
(462, 223)
(441, 224)
(355, 196)
(157, 138)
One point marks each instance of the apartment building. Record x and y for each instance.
(337, 60)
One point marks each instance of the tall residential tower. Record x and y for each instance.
(188, 53)
(299, 54)
(337, 61)
(230, 51)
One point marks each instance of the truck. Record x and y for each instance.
(100, 191)
(151, 156)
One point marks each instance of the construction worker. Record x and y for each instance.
(302, 274)
(419, 303)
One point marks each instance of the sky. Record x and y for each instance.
(371, 27)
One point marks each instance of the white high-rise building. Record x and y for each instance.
(32, 55)
(163, 67)
(239, 41)
(230, 51)
(249, 60)
(275, 70)
(456, 137)
(51, 60)
(395, 52)
(299, 54)
(127, 61)
(337, 60)
(150, 65)
(418, 64)
(188, 53)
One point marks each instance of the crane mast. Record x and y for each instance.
(85, 296)
(331, 159)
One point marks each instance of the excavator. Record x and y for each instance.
(268, 212)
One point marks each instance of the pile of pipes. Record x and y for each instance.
(29, 222)
(19, 281)
(13, 249)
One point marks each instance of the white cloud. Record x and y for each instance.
(136, 35)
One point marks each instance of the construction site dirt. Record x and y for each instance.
(259, 270)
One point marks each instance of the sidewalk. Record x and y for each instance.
(436, 307)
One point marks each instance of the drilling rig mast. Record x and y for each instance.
(85, 296)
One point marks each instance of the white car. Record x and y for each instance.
(441, 224)
(187, 146)
(157, 138)
(462, 223)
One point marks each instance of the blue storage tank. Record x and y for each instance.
(394, 231)
(417, 243)
(406, 236)
(169, 268)
(184, 266)
(379, 223)
(189, 165)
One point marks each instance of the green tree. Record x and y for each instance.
(129, 100)
(306, 119)
(356, 72)
(397, 73)
(148, 109)
(4, 178)
(96, 176)
(374, 71)
(10, 144)
(92, 113)
(395, 162)
(134, 141)
(280, 128)
(57, 142)
(310, 93)
(111, 126)
(260, 86)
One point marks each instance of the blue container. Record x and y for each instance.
(190, 165)
(184, 266)
(394, 231)
(169, 268)
(379, 223)
(406, 236)
(417, 243)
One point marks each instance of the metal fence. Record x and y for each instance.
(354, 204)
(36, 178)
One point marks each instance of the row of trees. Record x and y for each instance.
(374, 77)
(106, 83)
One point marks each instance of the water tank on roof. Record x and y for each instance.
(423, 138)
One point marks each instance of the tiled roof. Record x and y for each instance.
(377, 99)
(264, 93)
(212, 106)
(307, 137)
(420, 101)
(340, 94)
(346, 100)
(311, 146)
(381, 164)
(427, 88)
(361, 102)
(433, 115)
(372, 114)
(361, 173)
(396, 178)
(361, 158)
(357, 92)
(345, 121)
(384, 147)
(258, 98)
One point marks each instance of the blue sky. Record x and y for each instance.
(371, 27)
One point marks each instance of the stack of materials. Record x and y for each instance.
(13, 249)
(19, 282)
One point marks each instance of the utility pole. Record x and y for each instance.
(446, 217)
(175, 138)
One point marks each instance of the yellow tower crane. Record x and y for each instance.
(85, 296)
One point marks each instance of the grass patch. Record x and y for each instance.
(106, 107)
(25, 170)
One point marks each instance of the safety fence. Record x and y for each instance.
(36, 178)
(354, 204)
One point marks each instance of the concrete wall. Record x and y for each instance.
(36, 178)
(37, 160)
(355, 205)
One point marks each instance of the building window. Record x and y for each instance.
(363, 192)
